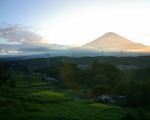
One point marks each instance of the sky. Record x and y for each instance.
(26, 23)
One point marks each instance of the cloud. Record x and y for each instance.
(17, 40)
(19, 34)
(9, 52)
(35, 49)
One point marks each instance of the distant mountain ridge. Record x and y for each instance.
(113, 42)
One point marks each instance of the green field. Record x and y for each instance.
(33, 100)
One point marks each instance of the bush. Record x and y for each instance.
(142, 115)
(18, 105)
(129, 116)
(9, 92)
(12, 83)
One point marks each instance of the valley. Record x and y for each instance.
(75, 88)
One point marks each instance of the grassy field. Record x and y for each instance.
(33, 100)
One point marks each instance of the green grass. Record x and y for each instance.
(47, 93)
(39, 83)
(75, 110)
(34, 101)
(44, 97)
(103, 105)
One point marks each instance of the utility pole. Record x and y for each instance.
(73, 57)
(102, 53)
(102, 56)
(121, 53)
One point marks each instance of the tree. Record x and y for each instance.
(104, 74)
(68, 74)
(12, 83)
(4, 76)
(101, 90)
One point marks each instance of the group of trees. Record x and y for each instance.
(104, 79)
(8, 71)
(135, 87)
(6, 76)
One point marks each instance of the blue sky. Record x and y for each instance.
(72, 22)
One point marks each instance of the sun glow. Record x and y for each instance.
(89, 23)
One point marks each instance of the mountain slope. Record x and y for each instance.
(113, 42)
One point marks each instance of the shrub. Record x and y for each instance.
(129, 116)
(12, 83)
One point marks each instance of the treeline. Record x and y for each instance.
(36, 63)
(104, 79)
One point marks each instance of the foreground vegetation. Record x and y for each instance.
(36, 102)
(27, 96)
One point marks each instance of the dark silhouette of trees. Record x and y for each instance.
(5, 74)
(105, 74)
(135, 89)
(68, 75)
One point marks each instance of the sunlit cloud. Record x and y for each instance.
(20, 34)
(9, 52)
(17, 40)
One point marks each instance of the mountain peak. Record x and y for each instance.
(110, 33)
